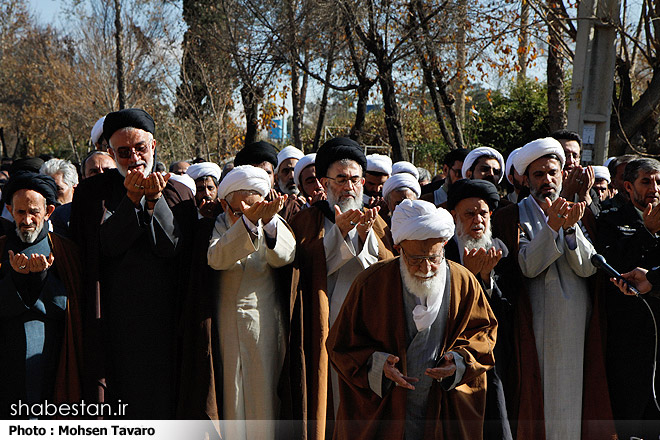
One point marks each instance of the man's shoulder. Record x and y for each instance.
(378, 272)
(460, 272)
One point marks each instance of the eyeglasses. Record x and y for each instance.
(125, 152)
(343, 180)
(417, 260)
(235, 212)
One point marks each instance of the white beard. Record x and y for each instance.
(148, 166)
(346, 204)
(466, 240)
(423, 288)
(28, 237)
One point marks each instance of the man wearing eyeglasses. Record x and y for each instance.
(414, 339)
(132, 226)
(336, 240)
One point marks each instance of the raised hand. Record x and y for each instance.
(263, 210)
(134, 184)
(154, 185)
(446, 367)
(38, 263)
(18, 262)
(393, 374)
(557, 212)
(574, 214)
(652, 218)
(346, 221)
(366, 222)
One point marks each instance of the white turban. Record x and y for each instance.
(399, 181)
(303, 163)
(536, 149)
(602, 172)
(204, 169)
(97, 130)
(420, 220)
(289, 152)
(405, 167)
(379, 163)
(475, 154)
(242, 178)
(609, 159)
(509, 162)
(186, 180)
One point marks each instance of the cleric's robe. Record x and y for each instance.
(41, 324)
(373, 320)
(524, 384)
(250, 321)
(306, 389)
(135, 266)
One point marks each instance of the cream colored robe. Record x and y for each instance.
(561, 307)
(251, 321)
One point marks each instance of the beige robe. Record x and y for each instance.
(251, 323)
(556, 281)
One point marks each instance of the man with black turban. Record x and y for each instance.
(39, 317)
(336, 240)
(133, 227)
(471, 203)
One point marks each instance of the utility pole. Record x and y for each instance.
(590, 99)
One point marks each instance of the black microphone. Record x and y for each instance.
(599, 261)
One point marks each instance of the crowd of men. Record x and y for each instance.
(333, 294)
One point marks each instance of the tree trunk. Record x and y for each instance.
(435, 99)
(360, 111)
(251, 99)
(296, 119)
(555, 72)
(461, 55)
(2, 142)
(523, 45)
(448, 102)
(119, 39)
(324, 97)
(392, 114)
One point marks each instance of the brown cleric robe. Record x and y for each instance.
(523, 387)
(305, 393)
(373, 319)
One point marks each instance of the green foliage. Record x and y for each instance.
(506, 121)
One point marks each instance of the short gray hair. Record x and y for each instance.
(230, 197)
(645, 164)
(68, 170)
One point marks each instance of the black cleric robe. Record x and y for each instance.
(135, 269)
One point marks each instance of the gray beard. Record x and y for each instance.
(540, 198)
(423, 288)
(292, 191)
(346, 204)
(466, 240)
(147, 168)
(28, 237)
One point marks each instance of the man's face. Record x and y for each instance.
(517, 180)
(64, 191)
(544, 178)
(397, 196)
(572, 153)
(346, 195)
(98, 164)
(29, 210)
(268, 168)
(235, 209)
(617, 181)
(285, 179)
(310, 184)
(180, 168)
(486, 168)
(132, 150)
(206, 190)
(600, 186)
(645, 189)
(472, 217)
(454, 172)
(373, 183)
(413, 252)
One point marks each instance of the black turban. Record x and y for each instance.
(41, 183)
(337, 149)
(467, 188)
(257, 153)
(26, 164)
(128, 117)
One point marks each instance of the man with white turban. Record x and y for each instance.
(602, 179)
(547, 271)
(414, 339)
(206, 176)
(379, 169)
(484, 163)
(513, 177)
(403, 166)
(304, 175)
(400, 187)
(286, 163)
(249, 242)
(96, 138)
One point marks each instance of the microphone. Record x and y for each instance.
(599, 261)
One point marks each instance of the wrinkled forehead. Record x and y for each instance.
(346, 167)
(430, 246)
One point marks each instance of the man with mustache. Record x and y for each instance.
(286, 164)
(629, 237)
(414, 340)
(39, 317)
(304, 175)
(336, 240)
(206, 176)
(134, 229)
(546, 274)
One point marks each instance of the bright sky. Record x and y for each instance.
(46, 10)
